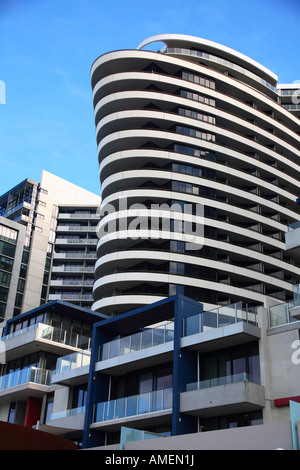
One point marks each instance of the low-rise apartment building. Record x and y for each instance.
(30, 348)
(169, 371)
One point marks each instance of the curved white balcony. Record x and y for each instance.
(117, 261)
(137, 99)
(136, 117)
(122, 157)
(136, 177)
(128, 279)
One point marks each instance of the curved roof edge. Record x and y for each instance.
(171, 38)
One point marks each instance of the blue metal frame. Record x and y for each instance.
(176, 307)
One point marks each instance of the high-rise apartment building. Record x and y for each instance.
(72, 273)
(32, 236)
(194, 133)
(13, 265)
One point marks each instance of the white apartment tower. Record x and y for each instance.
(194, 124)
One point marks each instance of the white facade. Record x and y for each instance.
(198, 124)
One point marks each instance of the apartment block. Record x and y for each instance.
(74, 257)
(14, 259)
(35, 208)
(31, 345)
(178, 375)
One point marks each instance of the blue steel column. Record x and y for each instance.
(184, 366)
(98, 385)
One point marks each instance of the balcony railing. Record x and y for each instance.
(225, 380)
(220, 317)
(67, 413)
(72, 361)
(20, 332)
(65, 337)
(24, 376)
(135, 405)
(144, 339)
(280, 314)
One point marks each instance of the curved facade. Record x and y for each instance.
(193, 135)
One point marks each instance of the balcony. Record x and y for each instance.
(72, 369)
(22, 383)
(144, 348)
(78, 216)
(78, 228)
(71, 297)
(220, 328)
(76, 241)
(285, 313)
(73, 268)
(69, 421)
(220, 317)
(55, 340)
(223, 395)
(69, 255)
(155, 407)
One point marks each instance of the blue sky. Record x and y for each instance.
(47, 48)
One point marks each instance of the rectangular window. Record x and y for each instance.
(4, 279)
(6, 264)
(12, 411)
(7, 249)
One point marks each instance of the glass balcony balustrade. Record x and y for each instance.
(280, 314)
(20, 332)
(225, 380)
(67, 413)
(24, 376)
(65, 337)
(135, 405)
(220, 317)
(54, 334)
(144, 339)
(220, 60)
(72, 361)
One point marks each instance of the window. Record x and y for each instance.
(6, 264)
(43, 191)
(12, 412)
(7, 249)
(145, 382)
(49, 406)
(235, 361)
(4, 279)
(8, 233)
(3, 294)
(79, 396)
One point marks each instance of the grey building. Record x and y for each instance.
(72, 272)
(33, 210)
